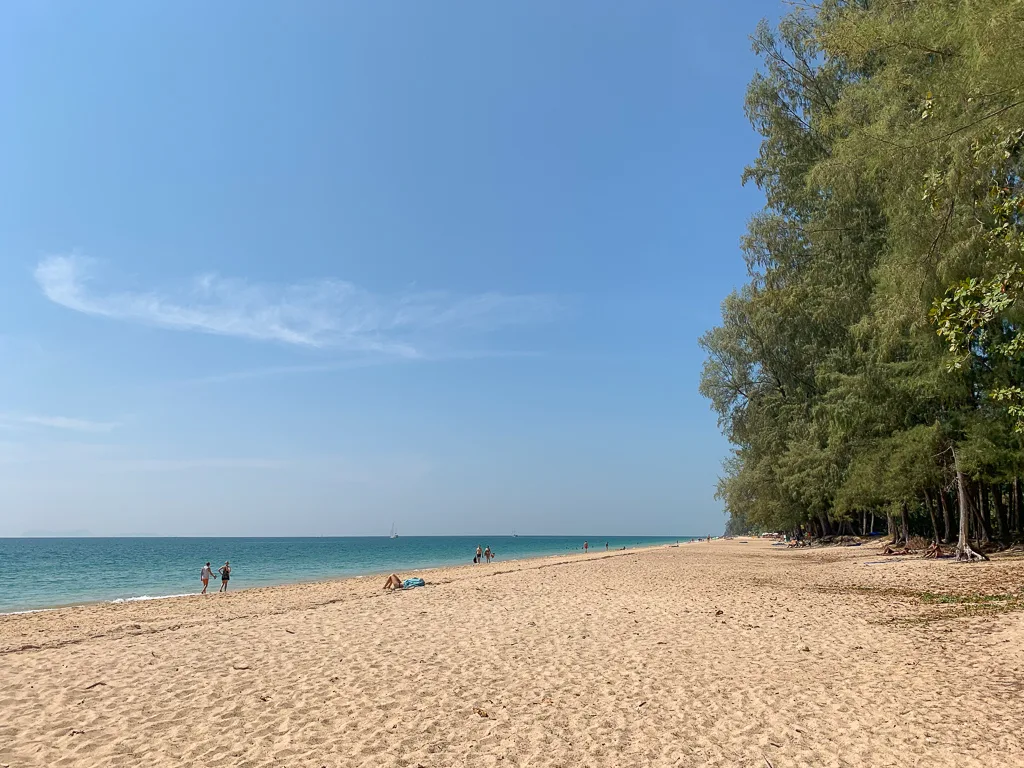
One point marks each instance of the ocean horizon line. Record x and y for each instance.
(355, 536)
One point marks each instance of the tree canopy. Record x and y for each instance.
(871, 364)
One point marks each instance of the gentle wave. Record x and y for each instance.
(117, 601)
(140, 598)
(22, 613)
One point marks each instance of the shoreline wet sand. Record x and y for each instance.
(722, 653)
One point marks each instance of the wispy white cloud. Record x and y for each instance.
(57, 422)
(329, 313)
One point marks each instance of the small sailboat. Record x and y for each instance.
(394, 531)
(514, 534)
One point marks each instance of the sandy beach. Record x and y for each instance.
(731, 653)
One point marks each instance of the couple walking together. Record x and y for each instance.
(207, 573)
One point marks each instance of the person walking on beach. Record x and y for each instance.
(479, 554)
(487, 554)
(204, 576)
(225, 576)
(585, 545)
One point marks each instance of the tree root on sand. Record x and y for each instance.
(964, 554)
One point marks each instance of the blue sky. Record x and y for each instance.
(272, 269)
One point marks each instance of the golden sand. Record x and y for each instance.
(731, 653)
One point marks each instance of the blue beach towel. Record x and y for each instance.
(410, 583)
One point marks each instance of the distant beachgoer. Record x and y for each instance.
(204, 576)
(487, 554)
(393, 582)
(479, 554)
(585, 545)
(606, 546)
(225, 576)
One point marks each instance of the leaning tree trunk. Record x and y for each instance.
(826, 529)
(931, 514)
(891, 527)
(947, 528)
(964, 553)
(904, 524)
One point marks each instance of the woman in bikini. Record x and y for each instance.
(225, 576)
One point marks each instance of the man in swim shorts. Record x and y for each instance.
(204, 576)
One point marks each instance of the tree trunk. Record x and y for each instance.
(944, 501)
(984, 514)
(871, 528)
(863, 523)
(904, 524)
(826, 529)
(1004, 526)
(931, 514)
(974, 502)
(891, 527)
(964, 553)
(1019, 505)
(1011, 509)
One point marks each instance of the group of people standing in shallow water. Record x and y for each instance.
(483, 554)
(207, 573)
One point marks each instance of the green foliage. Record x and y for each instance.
(891, 164)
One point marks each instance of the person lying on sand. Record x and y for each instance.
(394, 582)
(892, 549)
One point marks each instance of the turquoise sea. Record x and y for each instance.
(44, 573)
